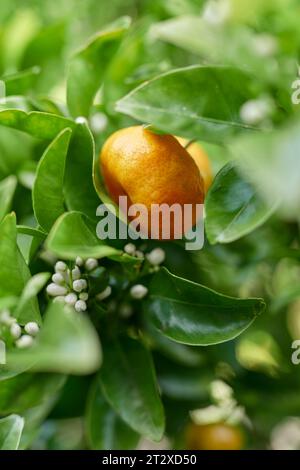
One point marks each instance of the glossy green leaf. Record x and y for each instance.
(232, 207)
(14, 273)
(105, 430)
(74, 235)
(31, 232)
(47, 105)
(87, 67)
(11, 429)
(189, 313)
(27, 390)
(20, 103)
(12, 159)
(30, 291)
(48, 191)
(193, 102)
(21, 82)
(41, 125)
(7, 190)
(79, 190)
(67, 343)
(46, 50)
(129, 384)
(46, 45)
(7, 372)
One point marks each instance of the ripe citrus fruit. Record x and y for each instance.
(152, 169)
(200, 158)
(217, 436)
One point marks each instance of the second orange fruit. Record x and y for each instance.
(216, 436)
(200, 158)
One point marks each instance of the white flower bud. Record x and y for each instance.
(84, 296)
(60, 299)
(60, 267)
(55, 290)
(79, 285)
(71, 299)
(91, 263)
(156, 256)
(139, 254)
(104, 294)
(138, 291)
(24, 342)
(254, 111)
(129, 249)
(79, 261)
(80, 306)
(76, 273)
(58, 278)
(15, 330)
(32, 328)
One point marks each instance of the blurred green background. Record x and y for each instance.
(262, 36)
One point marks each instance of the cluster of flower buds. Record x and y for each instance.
(130, 249)
(156, 257)
(21, 336)
(69, 286)
(224, 409)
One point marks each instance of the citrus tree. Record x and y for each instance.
(114, 343)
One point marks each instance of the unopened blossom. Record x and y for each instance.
(15, 330)
(138, 291)
(91, 263)
(80, 306)
(24, 341)
(32, 328)
(156, 256)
